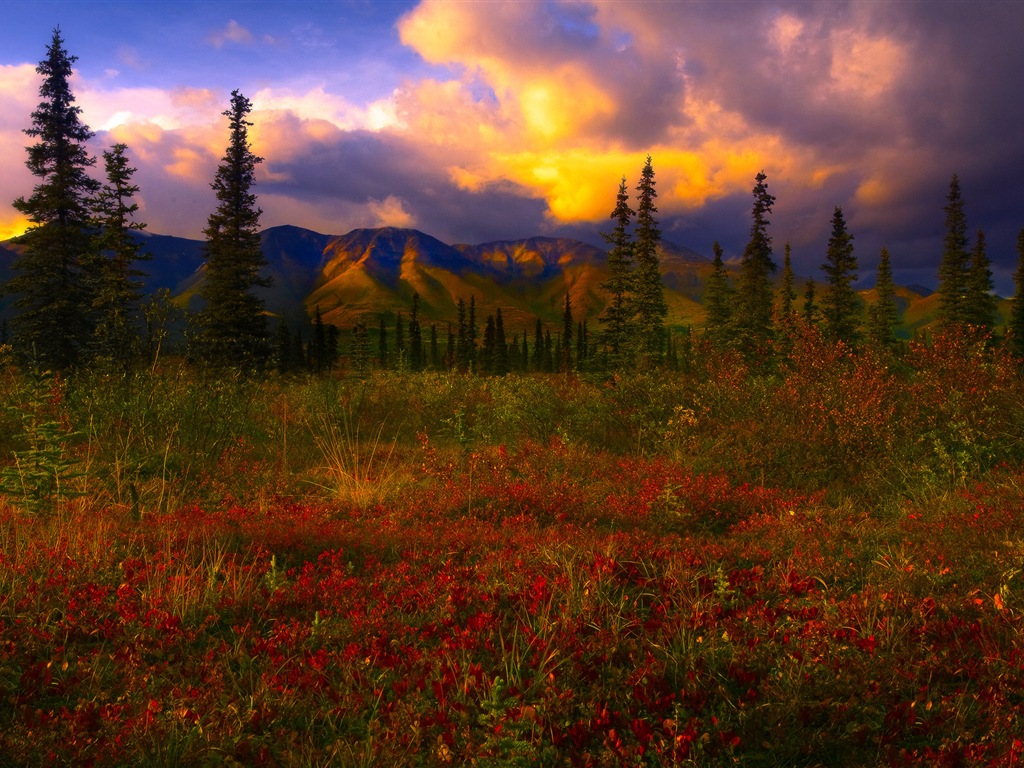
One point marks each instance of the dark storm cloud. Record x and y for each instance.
(358, 167)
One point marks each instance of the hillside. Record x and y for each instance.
(367, 274)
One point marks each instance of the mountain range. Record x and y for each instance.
(370, 273)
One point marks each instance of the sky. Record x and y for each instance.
(483, 120)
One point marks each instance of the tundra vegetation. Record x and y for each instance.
(778, 542)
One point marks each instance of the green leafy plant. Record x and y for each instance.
(43, 474)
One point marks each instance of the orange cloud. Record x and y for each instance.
(559, 100)
(544, 130)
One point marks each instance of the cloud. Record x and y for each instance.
(390, 212)
(232, 33)
(520, 118)
(19, 86)
(866, 105)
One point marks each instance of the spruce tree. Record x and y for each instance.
(435, 359)
(581, 344)
(463, 355)
(401, 355)
(415, 336)
(471, 333)
(117, 291)
(487, 351)
(501, 361)
(233, 327)
(565, 356)
(811, 312)
(954, 267)
(615, 317)
(883, 316)
(538, 347)
(979, 302)
(1016, 322)
(333, 351)
(788, 293)
(53, 324)
(717, 300)
(648, 307)
(451, 358)
(752, 320)
(840, 305)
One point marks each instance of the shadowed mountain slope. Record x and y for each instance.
(369, 274)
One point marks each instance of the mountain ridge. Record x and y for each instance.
(368, 274)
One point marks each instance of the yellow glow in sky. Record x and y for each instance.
(12, 227)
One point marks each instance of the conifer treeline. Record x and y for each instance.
(401, 345)
(78, 295)
(747, 314)
(76, 282)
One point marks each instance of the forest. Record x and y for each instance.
(789, 537)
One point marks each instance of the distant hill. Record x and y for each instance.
(367, 274)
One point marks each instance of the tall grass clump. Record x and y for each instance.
(356, 449)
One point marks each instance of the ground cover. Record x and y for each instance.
(532, 571)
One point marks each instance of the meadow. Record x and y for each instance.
(817, 562)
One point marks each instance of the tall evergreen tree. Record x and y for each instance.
(538, 347)
(840, 305)
(451, 358)
(788, 293)
(752, 320)
(415, 336)
(401, 354)
(1015, 326)
(463, 340)
(501, 361)
(53, 324)
(954, 267)
(332, 351)
(233, 326)
(117, 290)
(648, 305)
(487, 350)
(616, 315)
(435, 357)
(471, 333)
(565, 352)
(883, 316)
(717, 300)
(581, 344)
(979, 301)
(811, 312)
